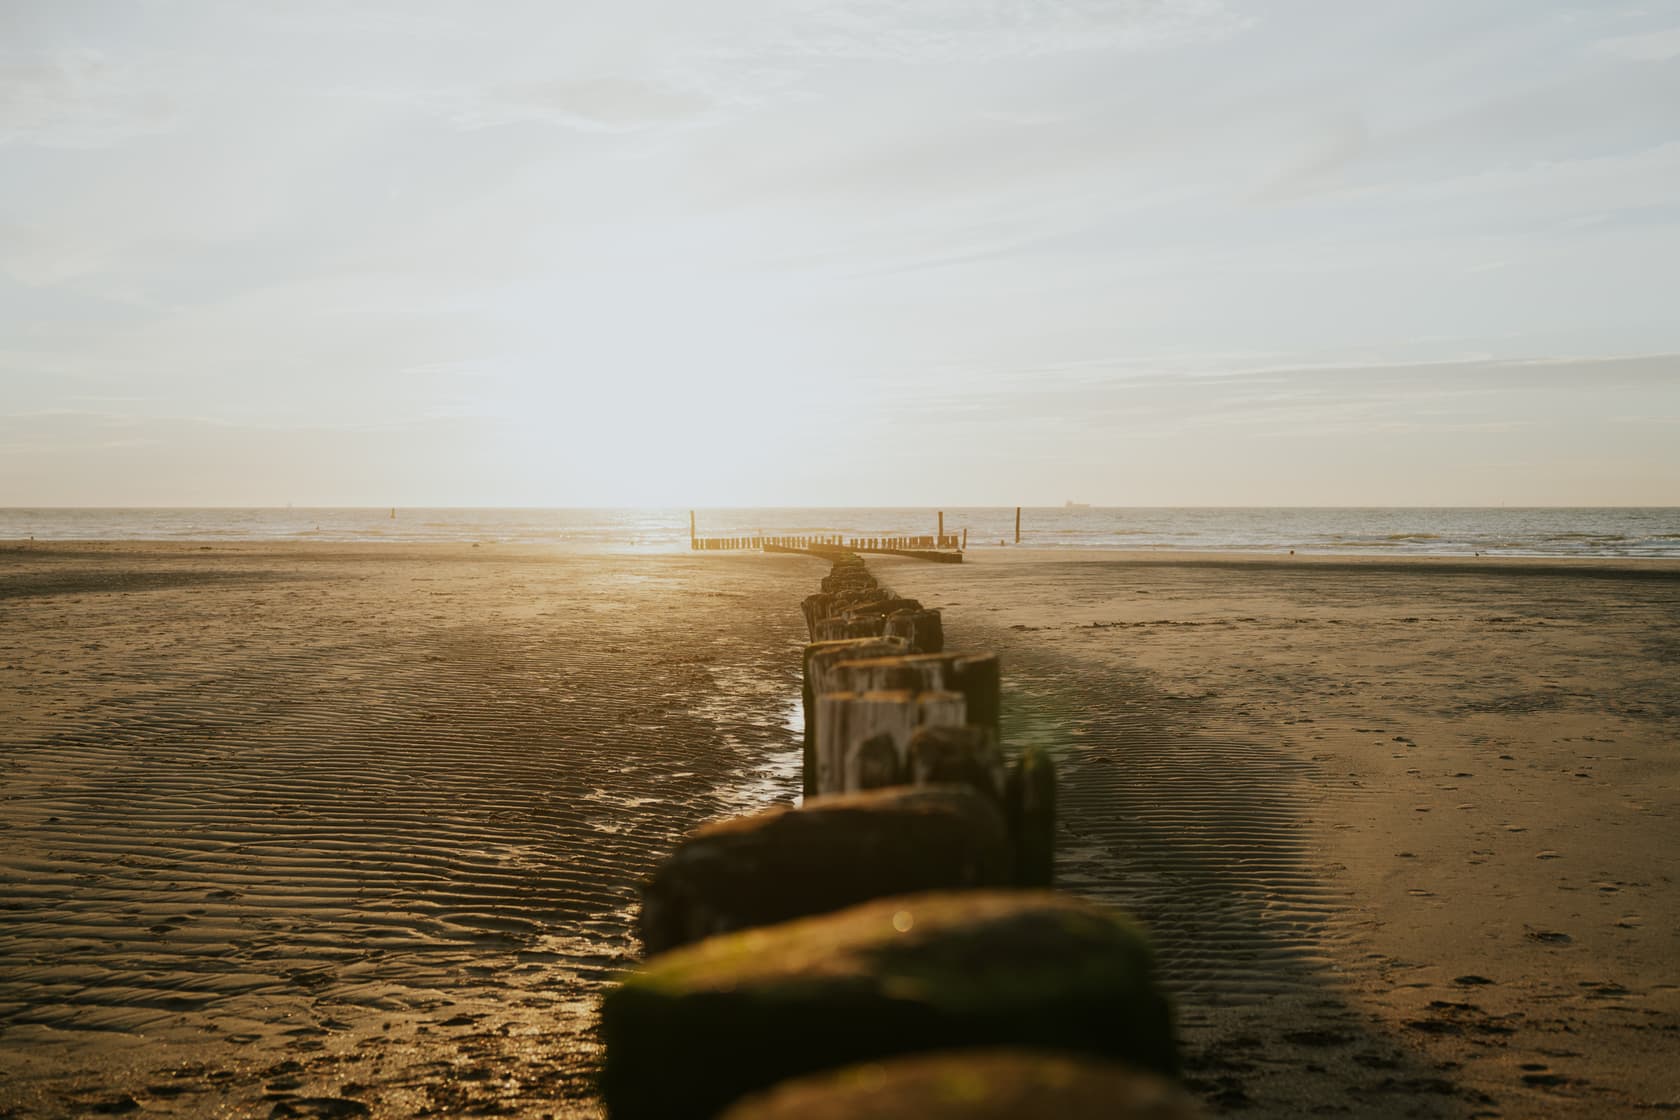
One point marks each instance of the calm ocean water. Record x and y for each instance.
(1410, 531)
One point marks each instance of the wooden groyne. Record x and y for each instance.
(947, 547)
(940, 546)
(904, 909)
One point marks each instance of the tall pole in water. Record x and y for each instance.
(1017, 524)
(939, 541)
(691, 528)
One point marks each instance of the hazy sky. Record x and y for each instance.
(863, 251)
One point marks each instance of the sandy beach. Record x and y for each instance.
(1405, 831)
(329, 830)
(303, 829)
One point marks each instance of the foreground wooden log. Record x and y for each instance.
(974, 1085)
(833, 853)
(1030, 805)
(697, 1028)
(863, 738)
(820, 658)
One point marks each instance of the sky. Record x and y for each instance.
(858, 252)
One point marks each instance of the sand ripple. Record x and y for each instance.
(328, 821)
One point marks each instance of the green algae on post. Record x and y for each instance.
(700, 1026)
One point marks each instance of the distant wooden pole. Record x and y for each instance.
(940, 540)
(1017, 524)
(690, 527)
(965, 538)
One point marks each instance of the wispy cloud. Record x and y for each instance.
(971, 31)
(603, 104)
(1337, 144)
(1649, 46)
(79, 98)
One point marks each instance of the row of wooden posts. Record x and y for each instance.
(954, 541)
(827, 542)
(899, 917)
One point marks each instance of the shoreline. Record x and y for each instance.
(975, 554)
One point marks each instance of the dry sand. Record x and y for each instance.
(285, 829)
(301, 830)
(1406, 831)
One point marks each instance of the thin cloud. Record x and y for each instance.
(1650, 46)
(605, 104)
(79, 98)
(977, 31)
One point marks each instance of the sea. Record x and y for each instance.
(1548, 531)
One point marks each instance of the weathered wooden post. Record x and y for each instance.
(699, 1027)
(941, 525)
(974, 675)
(965, 538)
(966, 755)
(691, 543)
(921, 628)
(1030, 807)
(834, 852)
(860, 733)
(820, 658)
(850, 626)
(983, 1084)
(1017, 524)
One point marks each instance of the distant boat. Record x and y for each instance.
(1076, 505)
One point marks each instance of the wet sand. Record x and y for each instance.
(303, 830)
(1405, 831)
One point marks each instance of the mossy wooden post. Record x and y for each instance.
(819, 658)
(1030, 805)
(995, 1083)
(834, 852)
(701, 1026)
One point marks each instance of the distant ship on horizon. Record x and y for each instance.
(1076, 505)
